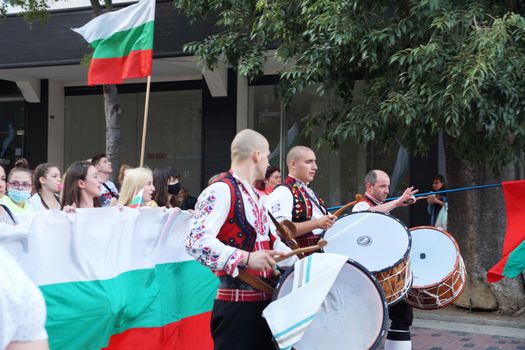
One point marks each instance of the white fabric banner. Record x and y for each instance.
(290, 316)
(95, 244)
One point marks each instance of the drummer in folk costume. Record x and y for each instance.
(295, 200)
(231, 232)
(377, 184)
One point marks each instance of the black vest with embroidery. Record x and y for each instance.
(302, 210)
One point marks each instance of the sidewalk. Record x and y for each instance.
(455, 328)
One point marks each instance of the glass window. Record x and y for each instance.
(341, 172)
(12, 130)
(173, 134)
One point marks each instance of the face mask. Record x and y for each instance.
(174, 189)
(19, 196)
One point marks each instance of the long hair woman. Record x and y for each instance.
(167, 186)
(47, 184)
(135, 181)
(81, 186)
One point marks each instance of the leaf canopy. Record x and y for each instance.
(429, 65)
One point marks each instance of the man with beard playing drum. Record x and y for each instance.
(295, 200)
(231, 235)
(377, 184)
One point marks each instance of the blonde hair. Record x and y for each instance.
(134, 181)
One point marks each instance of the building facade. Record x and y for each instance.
(47, 113)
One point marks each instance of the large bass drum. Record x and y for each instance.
(353, 316)
(381, 243)
(439, 272)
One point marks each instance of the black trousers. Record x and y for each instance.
(240, 326)
(401, 316)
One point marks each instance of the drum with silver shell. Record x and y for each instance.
(381, 243)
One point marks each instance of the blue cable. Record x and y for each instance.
(431, 192)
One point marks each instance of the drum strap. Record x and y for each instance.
(255, 282)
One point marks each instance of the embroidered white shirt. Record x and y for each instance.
(211, 212)
(364, 206)
(280, 203)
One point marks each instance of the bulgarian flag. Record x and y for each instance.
(122, 42)
(513, 255)
(138, 200)
(119, 278)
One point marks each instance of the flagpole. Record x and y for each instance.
(145, 124)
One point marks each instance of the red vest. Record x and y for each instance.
(236, 231)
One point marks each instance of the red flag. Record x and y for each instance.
(513, 255)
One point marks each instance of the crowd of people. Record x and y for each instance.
(231, 230)
(86, 184)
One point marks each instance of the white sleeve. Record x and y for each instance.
(211, 211)
(22, 307)
(280, 247)
(361, 206)
(280, 203)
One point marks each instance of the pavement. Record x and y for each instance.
(454, 328)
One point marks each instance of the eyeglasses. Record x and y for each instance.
(20, 184)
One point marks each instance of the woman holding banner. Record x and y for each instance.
(137, 188)
(81, 187)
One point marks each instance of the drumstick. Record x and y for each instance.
(321, 244)
(254, 281)
(339, 211)
(286, 230)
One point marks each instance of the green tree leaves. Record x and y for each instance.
(431, 65)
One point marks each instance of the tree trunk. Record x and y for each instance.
(113, 113)
(477, 219)
(112, 109)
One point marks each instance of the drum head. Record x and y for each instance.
(375, 240)
(353, 315)
(434, 256)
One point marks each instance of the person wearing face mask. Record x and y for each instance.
(19, 186)
(167, 186)
(47, 183)
(135, 181)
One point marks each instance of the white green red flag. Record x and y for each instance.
(512, 261)
(138, 200)
(122, 42)
(119, 278)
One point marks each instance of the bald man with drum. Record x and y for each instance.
(297, 202)
(377, 184)
(231, 232)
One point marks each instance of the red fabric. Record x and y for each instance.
(514, 192)
(239, 295)
(189, 333)
(233, 235)
(114, 70)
